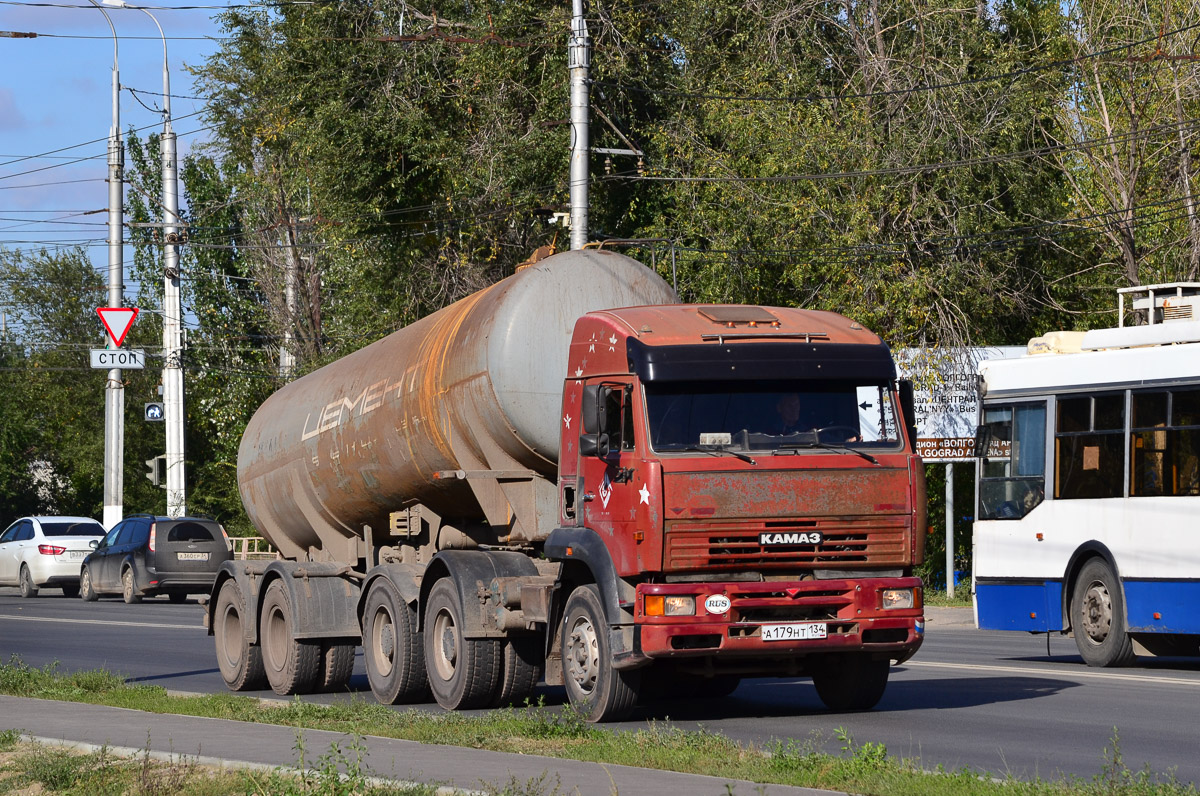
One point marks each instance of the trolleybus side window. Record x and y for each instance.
(1165, 447)
(1089, 447)
(1014, 465)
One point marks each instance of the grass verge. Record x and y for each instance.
(859, 768)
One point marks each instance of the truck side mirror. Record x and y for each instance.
(594, 409)
(594, 445)
(908, 407)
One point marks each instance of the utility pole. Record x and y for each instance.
(114, 391)
(579, 56)
(172, 376)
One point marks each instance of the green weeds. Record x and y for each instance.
(537, 729)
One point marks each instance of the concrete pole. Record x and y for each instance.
(579, 61)
(173, 404)
(950, 529)
(114, 391)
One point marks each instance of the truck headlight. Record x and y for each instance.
(670, 605)
(897, 598)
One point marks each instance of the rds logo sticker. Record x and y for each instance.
(716, 603)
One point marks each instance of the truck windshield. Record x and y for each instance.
(773, 415)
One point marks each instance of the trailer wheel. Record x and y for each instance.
(292, 666)
(392, 648)
(851, 682)
(521, 670)
(240, 661)
(463, 672)
(594, 686)
(1098, 617)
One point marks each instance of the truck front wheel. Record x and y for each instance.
(851, 682)
(392, 647)
(594, 686)
(463, 672)
(292, 665)
(240, 661)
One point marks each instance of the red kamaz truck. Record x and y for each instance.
(532, 484)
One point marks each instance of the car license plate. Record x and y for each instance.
(77, 554)
(192, 556)
(803, 631)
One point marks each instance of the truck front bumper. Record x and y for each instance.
(832, 615)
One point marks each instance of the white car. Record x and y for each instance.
(46, 551)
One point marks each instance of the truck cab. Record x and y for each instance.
(738, 485)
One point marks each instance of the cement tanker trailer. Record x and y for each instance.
(530, 484)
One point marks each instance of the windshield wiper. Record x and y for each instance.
(713, 451)
(841, 448)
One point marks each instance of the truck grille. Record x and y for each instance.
(879, 541)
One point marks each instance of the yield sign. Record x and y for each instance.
(117, 321)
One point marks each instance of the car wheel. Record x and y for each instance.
(1098, 617)
(129, 588)
(851, 682)
(392, 647)
(463, 672)
(600, 691)
(292, 665)
(27, 587)
(70, 589)
(85, 586)
(240, 661)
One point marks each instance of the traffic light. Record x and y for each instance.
(157, 470)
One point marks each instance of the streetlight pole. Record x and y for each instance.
(579, 60)
(172, 376)
(114, 392)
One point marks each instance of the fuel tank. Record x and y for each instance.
(474, 386)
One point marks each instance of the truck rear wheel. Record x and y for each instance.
(337, 664)
(392, 648)
(851, 682)
(521, 670)
(292, 666)
(600, 691)
(463, 672)
(240, 661)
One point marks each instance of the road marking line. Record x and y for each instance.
(196, 626)
(1053, 672)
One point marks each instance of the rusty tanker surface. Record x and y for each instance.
(476, 386)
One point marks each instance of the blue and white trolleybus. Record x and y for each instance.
(1088, 483)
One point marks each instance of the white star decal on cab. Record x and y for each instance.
(567, 421)
(645, 494)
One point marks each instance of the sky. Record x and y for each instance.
(56, 111)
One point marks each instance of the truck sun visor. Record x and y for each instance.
(760, 360)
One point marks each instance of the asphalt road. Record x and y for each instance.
(993, 702)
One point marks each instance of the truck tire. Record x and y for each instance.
(337, 664)
(851, 682)
(240, 661)
(463, 672)
(1098, 617)
(392, 648)
(521, 670)
(597, 689)
(292, 666)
